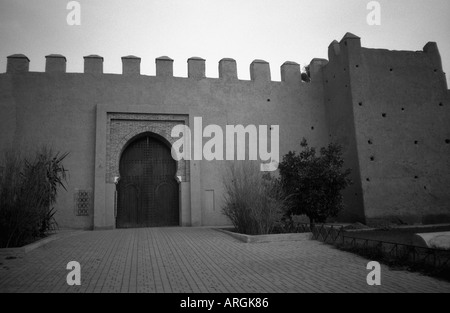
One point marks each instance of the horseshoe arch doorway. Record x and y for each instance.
(147, 192)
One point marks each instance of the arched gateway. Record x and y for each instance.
(147, 190)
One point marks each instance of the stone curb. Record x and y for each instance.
(267, 238)
(21, 251)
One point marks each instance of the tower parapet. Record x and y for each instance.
(196, 68)
(55, 63)
(315, 69)
(93, 64)
(164, 66)
(260, 70)
(131, 65)
(227, 69)
(290, 73)
(18, 63)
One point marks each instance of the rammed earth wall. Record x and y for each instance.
(388, 109)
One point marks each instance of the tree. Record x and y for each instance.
(306, 74)
(312, 184)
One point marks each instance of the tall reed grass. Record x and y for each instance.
(252, 200)
(28, 190)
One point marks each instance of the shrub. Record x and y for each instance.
(312, 184)
(252, 200)
(28, 189)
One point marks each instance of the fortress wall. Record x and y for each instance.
(8, 113)
(388, 109)
(59, 109)
(340, 118)
(401, 110)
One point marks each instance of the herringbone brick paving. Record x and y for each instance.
(197, 260)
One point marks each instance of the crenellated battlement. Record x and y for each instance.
(131, 65)
(339, 54)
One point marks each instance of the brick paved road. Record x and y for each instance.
(197, 260)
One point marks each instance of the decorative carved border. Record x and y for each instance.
(123, 127)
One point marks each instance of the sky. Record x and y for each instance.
(275, 31)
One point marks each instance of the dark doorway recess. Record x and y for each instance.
(147, 189)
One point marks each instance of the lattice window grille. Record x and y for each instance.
(83, 200)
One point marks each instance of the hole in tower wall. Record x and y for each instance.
(391, 69)
(447, 141)
(357, 65)
(268, 100)
(360, 104)
(416, 177)
(367, 179)
(372, 158)
(441, 104)
(383, 114)
(403, 109)
(370, 141)
(416, 142)
(312, 127)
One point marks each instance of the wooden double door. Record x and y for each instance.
(147, 192)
